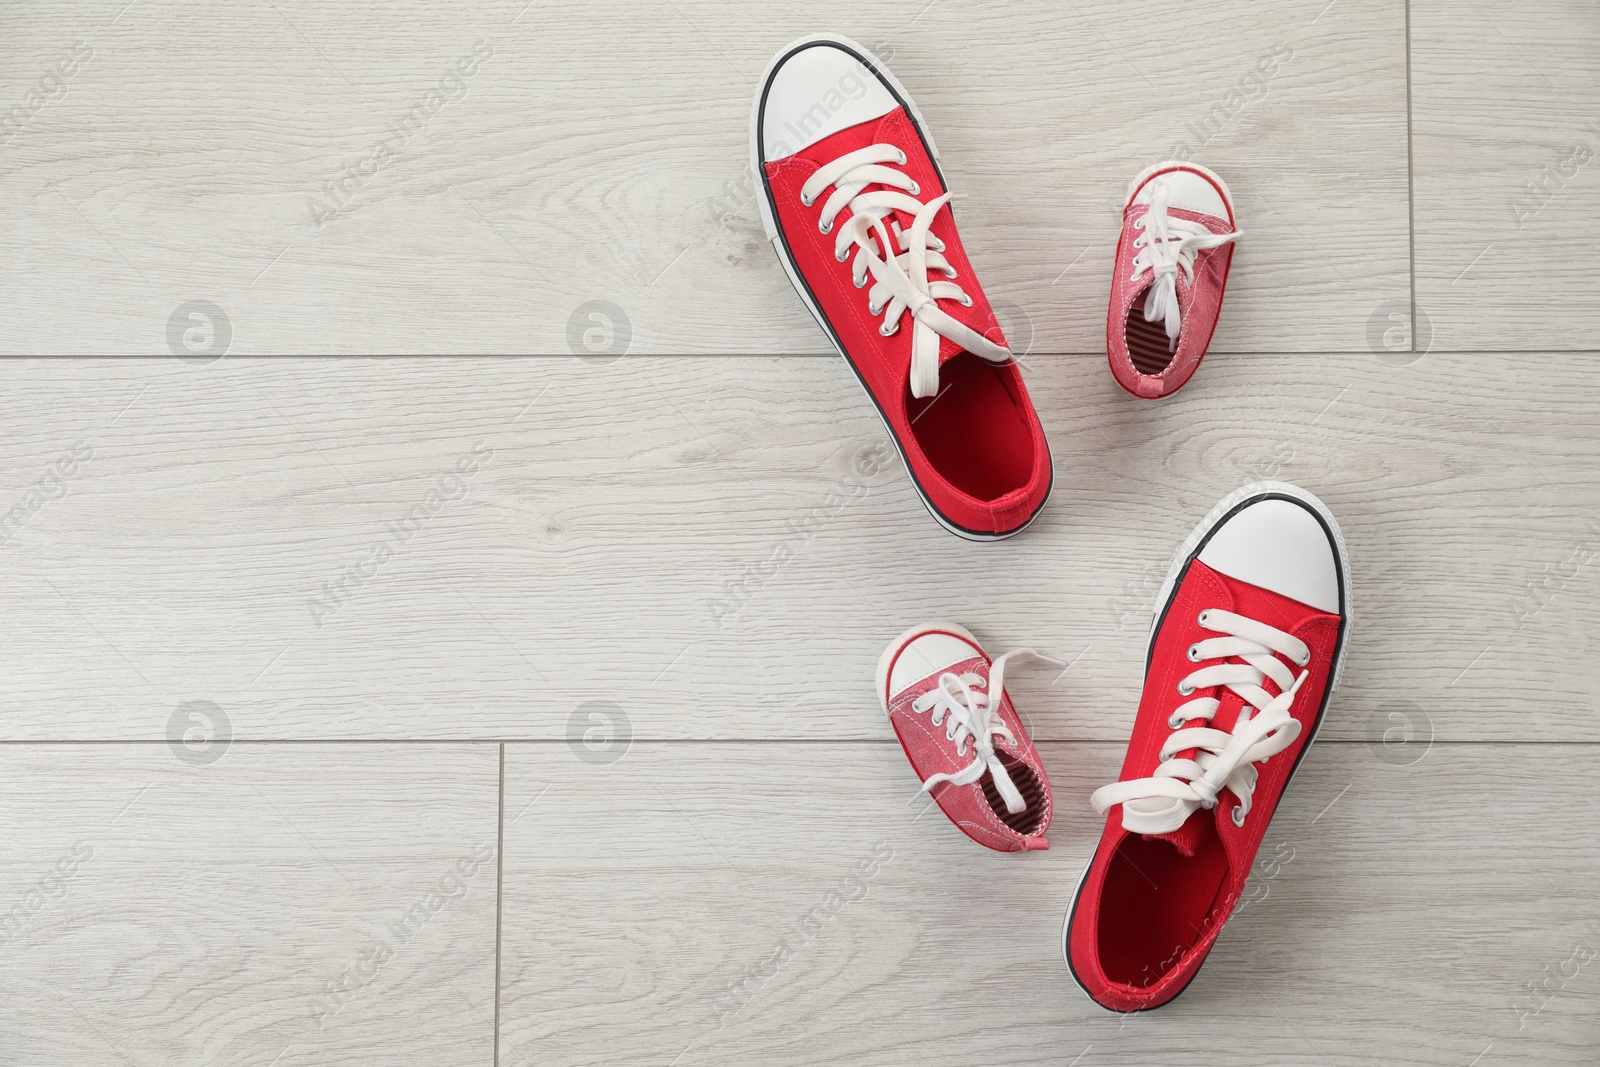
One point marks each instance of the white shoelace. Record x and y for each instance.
(974, 716)
(1168, 245)
(1162, 803)
(901, 280)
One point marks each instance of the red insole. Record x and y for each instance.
(972, 431)
(1155, 903)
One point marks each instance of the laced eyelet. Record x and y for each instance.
(1138, 223)
(888, 331)
(1185, 689)
(1304, 660)
(1174, 723)
(828, 228)
(1194, 653)
(842, 255)
(966, 302)
(1138, 242)
(1238, 815)
(915, 188)
(902, 157)
(1201, 618)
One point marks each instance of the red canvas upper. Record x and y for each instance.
(976, 450)
(1151, 906)
(970, 807)
(1200, 302)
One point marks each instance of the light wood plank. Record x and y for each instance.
(290, 904)
(600, 154)
(721, 547)
(653, 909)
(1507, 156)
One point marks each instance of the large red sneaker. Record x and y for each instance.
(1245, 650)
(1172, 269)
(854, 202)
(947, 702)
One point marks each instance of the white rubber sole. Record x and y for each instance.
(1180, 560)
(770, 225)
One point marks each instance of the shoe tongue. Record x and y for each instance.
(978, 317)
(1186, 838)
(948, 350)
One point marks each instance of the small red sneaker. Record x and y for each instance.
(1176, 248)
(1245, 650)
(947, 703)
(852, 197)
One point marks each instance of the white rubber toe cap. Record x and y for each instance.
(1278, 545)
(1191, 189)
(816, 91)
(928, 654)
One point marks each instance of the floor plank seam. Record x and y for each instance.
(152, 357)
(555, 741)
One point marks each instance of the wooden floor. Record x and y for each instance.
(486, 698)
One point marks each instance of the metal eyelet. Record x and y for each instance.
(1238, 815)
(915, 188)
(966, 302)
(1184, 689)
(902, 157)
(1174, 723)
(1194, 653)
(826, 228)
(1201, 618)
(842, 255)
(888, 332)
(806, 202)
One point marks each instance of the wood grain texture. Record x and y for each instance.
(600, 153)
(1507, 156)
(292, 905)
(722, 547)
(259, 611)
(731, 904)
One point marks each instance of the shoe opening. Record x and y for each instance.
(1148, 345)
(1158, 901)
(1025, 822)
(973, 431)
